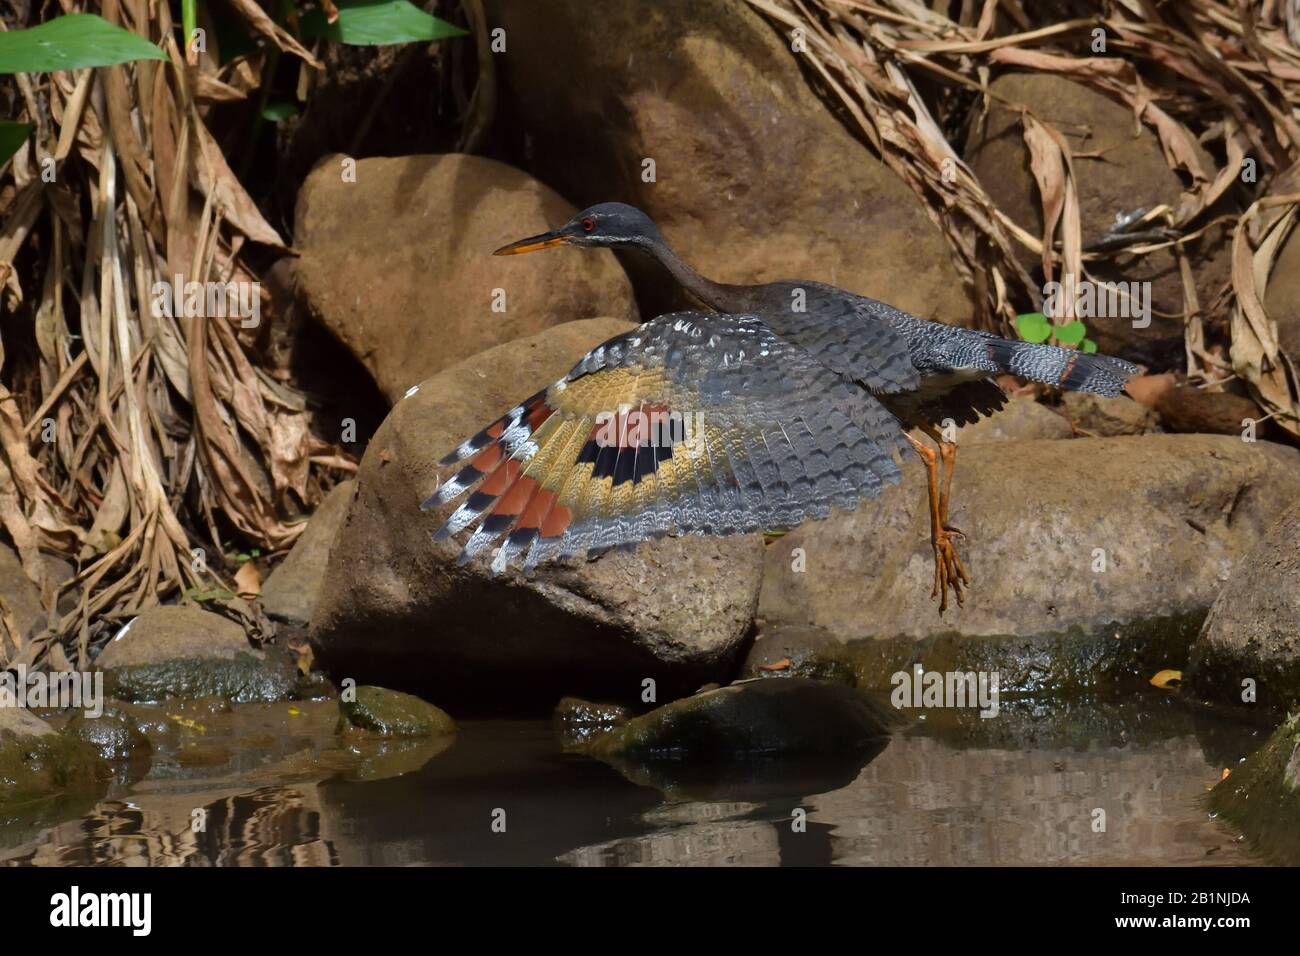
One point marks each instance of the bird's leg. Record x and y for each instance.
(948, 569)
(948, 454)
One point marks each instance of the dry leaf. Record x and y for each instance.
(247, 580)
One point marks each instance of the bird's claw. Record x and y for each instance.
(949, 572)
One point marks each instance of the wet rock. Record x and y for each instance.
(396, 610)
(114, 734)
(794, 716)
(1261, 797)
(181, 651)
(574, 711)
(1124, 173)
(385, 758)
(421, 230)
(390, 713)
(290, 591)
(1253, 629)
(1172, 515)
(1190, 409)
(754, 179)
(580, 720)
(1102, 416)
(1064, 664)
(36, 763)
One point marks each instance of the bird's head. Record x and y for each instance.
(605, 224)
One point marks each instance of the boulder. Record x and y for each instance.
(390, 713)
(1253, 628)
(1282, 297)
(182, 651)
(1102, 416)
(754, 179)
(172, 632)
(1168, 517)
(1021, 419)
(396, 610)
(1125, 171)
(399, 266)
(290, 591)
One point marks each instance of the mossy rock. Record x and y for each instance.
(34, 768)
(784, 716)
(390, 713)
(1261, 797)
(242, 679)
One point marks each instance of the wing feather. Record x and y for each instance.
(763, 436)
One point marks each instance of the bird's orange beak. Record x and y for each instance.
(545, 241)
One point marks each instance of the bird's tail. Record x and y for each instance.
(1070, 369)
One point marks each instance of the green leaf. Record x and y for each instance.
(279, 111)
(1089, 345)
(71, 43)
(12, 136)
(378, 23)
(1071, 333)
(1033, 327)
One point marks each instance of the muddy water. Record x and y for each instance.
(275, 786)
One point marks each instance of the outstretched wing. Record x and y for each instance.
(707, 424)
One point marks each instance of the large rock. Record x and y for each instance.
(1021, 419)
(1173, 514)
(396, 610)
(289, 594)
(182, 651)
(1253, 629)
(399, 265)
(1123, 172)
(754, 179)
(1282, 298)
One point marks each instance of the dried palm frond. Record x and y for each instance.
(138, 424)
(1195, 73)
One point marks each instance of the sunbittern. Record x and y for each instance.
(803, 391)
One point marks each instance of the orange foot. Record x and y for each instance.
(949, 572)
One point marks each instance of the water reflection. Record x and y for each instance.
(1024, 789)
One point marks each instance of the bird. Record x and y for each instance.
(779, 403)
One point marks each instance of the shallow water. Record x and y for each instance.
(277, 788)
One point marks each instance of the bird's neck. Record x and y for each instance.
(716, 295)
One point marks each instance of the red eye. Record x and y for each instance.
(588, 224)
